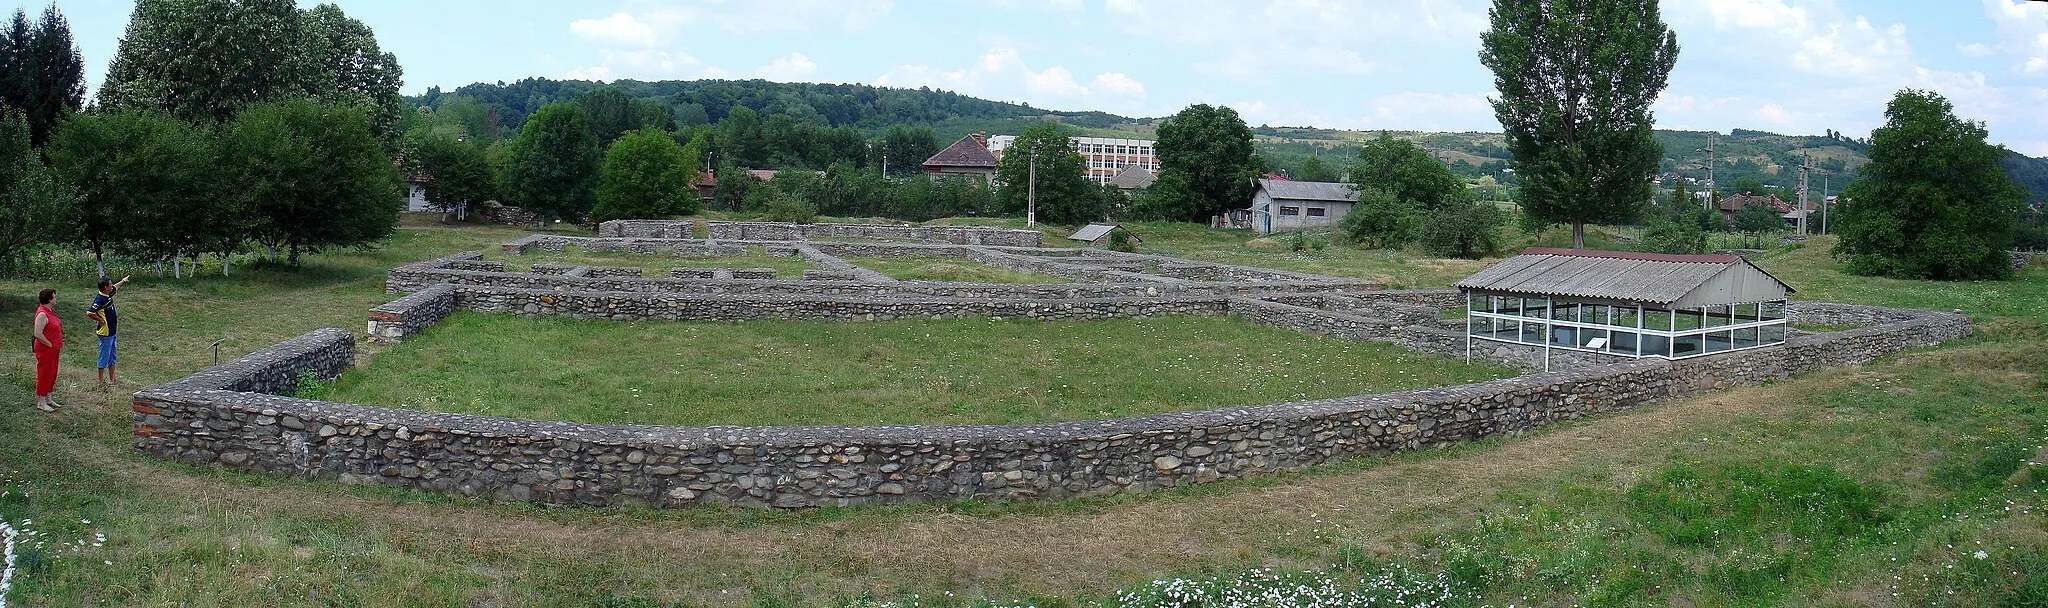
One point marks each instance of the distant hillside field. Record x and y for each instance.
(1770, 158)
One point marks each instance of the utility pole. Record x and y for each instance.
(1031, 190)
(1712, 193)
(1805, 165)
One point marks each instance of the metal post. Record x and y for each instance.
(1824, 202)
(1031, 191)
(1549, 310)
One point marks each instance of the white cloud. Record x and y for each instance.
(1116, 83)
(1055, 81)
(2022, 32)
(1428, 111)
(1975, 49)
(646, 64)
(619, 28)
(785, 69)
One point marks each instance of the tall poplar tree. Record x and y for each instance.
(1576, 80)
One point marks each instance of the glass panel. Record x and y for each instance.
(1745, 313)
(1588, 336)
(1533, 332)
(1774, 310)
(1718, 341)
(1564, 336)
(1745, 338)
(1564, 311)
(1688, 345)
(1717, 315)
(1689, 318)
(1536, 307)
(1659, 320)
(1507, 305)
(1596, 313)
(1771, 334)
(1622, 342)
(1656, 345)
(1624, 316)
(1478, 302)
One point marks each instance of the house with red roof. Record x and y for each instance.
(969, 156)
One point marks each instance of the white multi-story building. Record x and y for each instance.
(1106, 156)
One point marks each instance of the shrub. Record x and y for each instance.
(1379, 220)
(1463, 229)
(787, 208)
(1120, 240)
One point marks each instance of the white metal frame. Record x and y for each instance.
(1670, 333)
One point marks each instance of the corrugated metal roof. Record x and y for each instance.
(1310, 191)
(1646, 278)
(1092, 232)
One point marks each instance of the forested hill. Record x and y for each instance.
(695, 102)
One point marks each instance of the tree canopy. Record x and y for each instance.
(646, 175)
(1934, 202)
(34, 201)
(1065, 194)
(41, 72)
(1406, 171)
(553, 169)
(129, 164)
(1576, 80)
(1211, 148)
(311, 175)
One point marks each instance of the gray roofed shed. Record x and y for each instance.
(1666, 281)
(1310, 191)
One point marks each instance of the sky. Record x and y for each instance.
(1788, 66)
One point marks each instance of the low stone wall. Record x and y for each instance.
(693, 307)
(780, 231)
(651, 229)
(2022, 259)
(510, 216)
(789, 467)
(392, 321)
(721, 274)
(830, 263)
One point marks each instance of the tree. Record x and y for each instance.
(905, 148)
(1313, 169)
(1576, 80)
(311, 175)
(1933, 202)
(126, 165)
(1380, 220)
(554, 165)
(41, 72)
(1406, 171)
(1211, 147)
(1757, 218)
(741, 138)
(1749, 184)
(646, 175)
(612, 113)
(204, 60)
(735, 185)
(1463, 229)
(34, 201)
(348, 68)
(1065, 194)
(459, 174)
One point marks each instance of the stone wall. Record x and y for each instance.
(697, 307)
(781, 231)
(394, 320)
(790, 467)
(647, 229)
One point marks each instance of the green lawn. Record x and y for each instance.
(944, 268)
(1914, 480)
(653, 264)
(971, 371)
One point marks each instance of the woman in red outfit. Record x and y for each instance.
(49, 335)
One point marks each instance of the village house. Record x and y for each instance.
(968, 156)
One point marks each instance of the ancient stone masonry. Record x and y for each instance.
(561, 463)
(780, 231)
(239, 414)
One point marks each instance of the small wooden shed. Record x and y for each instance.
(1099, 234)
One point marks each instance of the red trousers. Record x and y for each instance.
(46, 370)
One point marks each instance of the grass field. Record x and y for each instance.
(942, 268)
(1915, 480)
(653, 265)
(973, 371)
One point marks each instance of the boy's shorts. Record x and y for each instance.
(106, 352)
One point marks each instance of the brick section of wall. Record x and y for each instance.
(562, 463)
(392, 321)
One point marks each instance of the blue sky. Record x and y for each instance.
(1791, 66)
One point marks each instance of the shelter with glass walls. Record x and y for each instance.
(1625, 303)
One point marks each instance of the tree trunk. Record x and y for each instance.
(99, 261)
(1578, 234)
(294, 260)
(224, 259)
